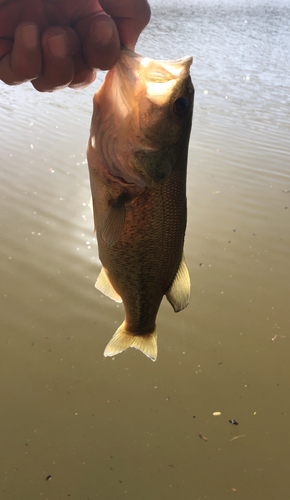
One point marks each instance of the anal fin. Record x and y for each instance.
(104, 285)
(179, 292)
(122, 339)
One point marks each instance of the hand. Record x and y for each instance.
(60, 43)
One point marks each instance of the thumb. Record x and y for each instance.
(130, 17)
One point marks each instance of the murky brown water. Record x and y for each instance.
(127, 427)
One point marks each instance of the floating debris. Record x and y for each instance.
(217, 413)
(234, 422)
(237, 437)
(202, 437)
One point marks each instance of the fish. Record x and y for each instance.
(137, 157)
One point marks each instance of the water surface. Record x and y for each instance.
(127, 427)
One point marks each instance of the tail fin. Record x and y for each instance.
(121, 340)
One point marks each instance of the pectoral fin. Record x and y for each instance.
(179, 292)
(104, 285)
(113, 223)
(122, 339)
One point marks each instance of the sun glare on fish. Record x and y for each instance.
(158, 92)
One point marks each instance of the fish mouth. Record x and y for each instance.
(178, 68)
(156, 79)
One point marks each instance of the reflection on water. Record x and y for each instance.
(127, 427)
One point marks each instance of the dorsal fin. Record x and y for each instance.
(104, 285)
(179, 292)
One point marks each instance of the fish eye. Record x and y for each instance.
(181, 106)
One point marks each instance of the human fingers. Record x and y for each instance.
(83, 75)
(59, 46)
(100, 40)
(102, 35)
(130, 17)
(21, 61)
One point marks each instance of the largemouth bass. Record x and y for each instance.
(137, 156)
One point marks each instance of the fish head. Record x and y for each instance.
(142, 118)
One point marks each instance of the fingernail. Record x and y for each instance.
(104, 32)
(29, 35)
(58, 45)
